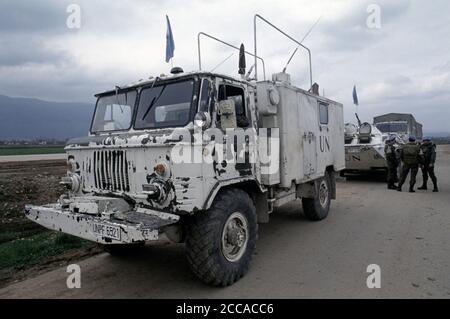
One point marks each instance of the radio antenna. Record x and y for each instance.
(220, 64)
(304, 38)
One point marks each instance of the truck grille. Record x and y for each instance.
(111, 171)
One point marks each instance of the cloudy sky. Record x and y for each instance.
(400, 65)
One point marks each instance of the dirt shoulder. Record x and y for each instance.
(25, 247)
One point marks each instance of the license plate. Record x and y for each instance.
(107, 231)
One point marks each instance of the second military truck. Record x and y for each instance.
(203, 158)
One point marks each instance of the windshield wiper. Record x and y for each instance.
(154, 100)
(149, 108)
(117, 98)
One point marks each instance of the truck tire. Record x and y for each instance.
(317, 208)
(220, 242)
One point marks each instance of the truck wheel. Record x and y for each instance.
(317, 208)
(220, 242)
(123, 249)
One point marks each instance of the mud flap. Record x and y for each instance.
(333, 185)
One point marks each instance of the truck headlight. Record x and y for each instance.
(158, 190)
(160, 169)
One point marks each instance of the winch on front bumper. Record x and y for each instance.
(102, 220)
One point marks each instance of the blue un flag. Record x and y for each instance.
(170, 43)
(355, 96)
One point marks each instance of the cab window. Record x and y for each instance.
(165, 105)
(114, 112)
(237, 95)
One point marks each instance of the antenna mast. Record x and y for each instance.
(304, 38)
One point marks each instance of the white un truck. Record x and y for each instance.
(202, 158)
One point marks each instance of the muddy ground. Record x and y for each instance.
(34, 182)
(25, 183)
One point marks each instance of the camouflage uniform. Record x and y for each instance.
(410, 155)
(429, 158)
(392, 164)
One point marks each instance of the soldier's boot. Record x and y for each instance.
(411, 189)
(423, 187)
(435, 184)
(399, 188)
(436, 189)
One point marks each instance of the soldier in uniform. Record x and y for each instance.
(410, 155)
(391, 162)
(429, 158)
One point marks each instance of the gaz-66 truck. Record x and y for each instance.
(202, 158)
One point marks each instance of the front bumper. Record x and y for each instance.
(142, 225)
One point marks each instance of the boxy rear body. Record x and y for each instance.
(311, 132)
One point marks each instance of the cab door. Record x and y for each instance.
(240, 141)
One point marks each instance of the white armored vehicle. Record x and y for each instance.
(203, 158)
(364, 148)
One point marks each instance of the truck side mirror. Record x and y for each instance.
(227, 113)
(202, 120)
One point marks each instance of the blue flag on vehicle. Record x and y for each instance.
(355, 96)
(170, 43)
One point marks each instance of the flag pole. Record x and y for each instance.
(356, 101)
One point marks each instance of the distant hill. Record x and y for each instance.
(24, 118)
(438, 134)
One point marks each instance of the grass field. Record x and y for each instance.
(28, 251)
(24, 245)
(30, 150)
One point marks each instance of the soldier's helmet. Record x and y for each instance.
(392, 138)
(427, 139)
(412, 138)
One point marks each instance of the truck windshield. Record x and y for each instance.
(166, 105)
(114, 112)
